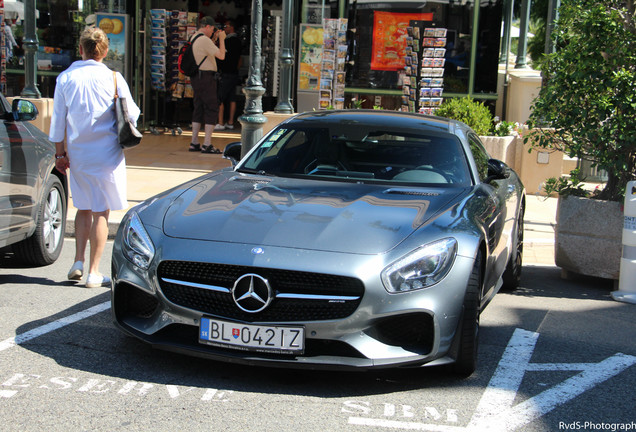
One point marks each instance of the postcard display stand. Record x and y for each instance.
(424, 69)
(334, 55)
(169, 32)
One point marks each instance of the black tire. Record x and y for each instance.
(45, 245)
(512, 274)
(466, 361)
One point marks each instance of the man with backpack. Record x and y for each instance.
(204, 82)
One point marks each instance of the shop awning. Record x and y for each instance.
(14, 9)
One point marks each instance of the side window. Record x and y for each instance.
(480, 156)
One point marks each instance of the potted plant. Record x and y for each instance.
(587, 106)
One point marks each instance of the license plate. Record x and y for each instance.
(249, 337)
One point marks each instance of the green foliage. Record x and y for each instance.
(538, 27)
(588, 100)
(475, 114)
(357, 103)
(566, 185)
(504, 128)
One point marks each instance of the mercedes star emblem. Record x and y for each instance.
(252, 293)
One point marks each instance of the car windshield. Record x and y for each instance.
(361, 154)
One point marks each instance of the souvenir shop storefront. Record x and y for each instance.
(405, 54)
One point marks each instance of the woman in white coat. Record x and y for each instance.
(84, 114)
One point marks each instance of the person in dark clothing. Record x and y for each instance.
(229, 69)
(205, 111)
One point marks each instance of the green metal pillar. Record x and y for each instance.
(553, 15)
(522, 51)
(284, 104)
(474, 48)
(507, 23)
(252, 120)
(30, 43)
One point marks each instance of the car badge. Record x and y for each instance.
(258, 251)
(252, 293)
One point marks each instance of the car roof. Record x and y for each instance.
(380, 118)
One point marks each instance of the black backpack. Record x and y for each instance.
(187, 63)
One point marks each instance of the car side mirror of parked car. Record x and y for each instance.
(232, 152)
(497, 170)
(23, 110)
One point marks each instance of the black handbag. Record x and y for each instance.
(127, 134)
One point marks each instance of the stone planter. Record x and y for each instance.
(502, 148)
(588, 237)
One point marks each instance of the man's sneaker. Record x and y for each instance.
(77, 271)
(229, 126)
(219, 127)
(96, 281)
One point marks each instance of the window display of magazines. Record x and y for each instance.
(158, 47)
(424, 79)
(334, 55)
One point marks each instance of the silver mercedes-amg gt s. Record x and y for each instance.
(343, 239)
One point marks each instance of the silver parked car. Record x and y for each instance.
(343, 239)
(33, 194)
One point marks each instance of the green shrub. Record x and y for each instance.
(467, 110)
(566, 185)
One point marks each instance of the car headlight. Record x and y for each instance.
(421, 268)
(137, 246)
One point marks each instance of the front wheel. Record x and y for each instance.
(45, 245)
(512, 274)
(466, 361)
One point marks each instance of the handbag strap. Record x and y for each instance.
(115, 80)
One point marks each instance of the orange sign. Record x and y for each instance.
(390, 36)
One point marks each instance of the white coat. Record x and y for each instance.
(84, 113)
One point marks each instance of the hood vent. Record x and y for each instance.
(410, 192)
(251, 180)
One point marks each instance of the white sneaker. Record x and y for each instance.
(96, 281)
(219, 127)
(77, 271)
(229, 126)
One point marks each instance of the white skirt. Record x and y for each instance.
(99, 191)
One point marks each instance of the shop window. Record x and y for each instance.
(314, 11)
(488, 40)
(59, 24)
(457, 17)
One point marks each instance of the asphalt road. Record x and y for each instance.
(554, 355)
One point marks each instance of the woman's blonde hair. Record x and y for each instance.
(94, 43)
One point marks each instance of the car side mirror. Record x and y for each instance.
(497, 170)
(232, 152)
(23, 110)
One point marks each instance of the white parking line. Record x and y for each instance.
(7, 393)
(496, 410)
(39, 331)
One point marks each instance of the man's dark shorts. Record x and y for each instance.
(227, 88)
(206, 106)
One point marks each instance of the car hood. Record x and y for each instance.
(300, 213)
